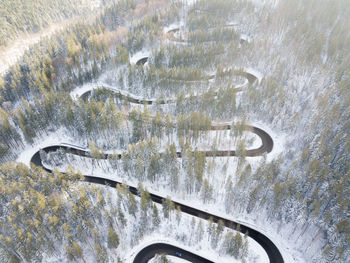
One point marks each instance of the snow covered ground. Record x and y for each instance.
(139, 55)
(173, 26)
(255, 249)
(224, 140)
(55, 138)
(254, 72)
(172, 259)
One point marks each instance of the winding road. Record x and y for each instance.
(251, 79)
(150, 251)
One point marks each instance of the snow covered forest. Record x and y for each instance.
(30, 16)
(178, 99)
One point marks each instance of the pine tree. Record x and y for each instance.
(132, 205)
(121, 217)
(74, 251)
(207, 191)
(155, 216)
(101, 253)
(178, 214)
(168, 206)
(113, 239)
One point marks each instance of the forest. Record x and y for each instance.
(18, 17)
(183, 124)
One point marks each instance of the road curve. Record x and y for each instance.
(270, 248)
(251, 78)
(150, 251)
(170, 35)
(266, 147)
(142, 61)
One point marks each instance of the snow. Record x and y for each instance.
(206, 253)
(243, 85)
(172, 27)
(55, 138)
(255, 72)
(76, 93)
(289, 254)
(232, 23)
(172, 259)
(176, 259)
(190, 2)
(262, 3)
(279, 141)
(225, 141)
(137, 56)
(245, 37)
(92, 4)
